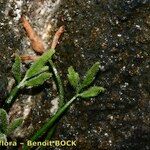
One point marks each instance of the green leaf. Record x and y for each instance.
(92, 92)
(90, 75)
(38, 80)
(73, 77)
(3, 120)
(45, 68)
(38, 64)
(16, 69)
(14, 125)
(3, 137)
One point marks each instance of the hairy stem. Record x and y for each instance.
(59, 84)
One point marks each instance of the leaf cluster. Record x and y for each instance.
(37, 74)
(6, 127)
(89, 77)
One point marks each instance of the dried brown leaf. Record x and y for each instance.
(57, 37)
(36, 42)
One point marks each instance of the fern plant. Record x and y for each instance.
(36, 75)
(82, 91)
(7, 128)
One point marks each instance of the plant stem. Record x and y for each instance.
(12, 94)
(51, 132)
(61, 98)
(49, 135)
(59, 84)
(51, 121)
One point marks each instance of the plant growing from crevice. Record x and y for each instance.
(82, 91)
(36, 75)
(39, 72)
(6, 127)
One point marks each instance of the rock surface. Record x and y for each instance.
(116, 33)
(8, 44)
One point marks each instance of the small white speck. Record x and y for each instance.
(106, 134)
(111, 117)
(138, 27)
(110, 141)
(117, 44)
(117, 21)
(10, 23)
(119, 35)
(89, 132)
(1, 23)
(123, 68)
(102, 68)
(82, 55)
